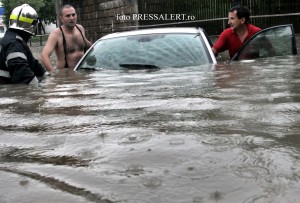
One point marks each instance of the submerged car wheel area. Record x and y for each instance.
(149, 49)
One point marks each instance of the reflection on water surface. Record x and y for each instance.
(228, 133)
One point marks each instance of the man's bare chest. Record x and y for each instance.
(73, 42)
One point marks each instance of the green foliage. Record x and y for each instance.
(47, 12)
(44, 8)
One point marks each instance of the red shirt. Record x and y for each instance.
(229, 40)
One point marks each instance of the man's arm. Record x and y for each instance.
(214, 51)
(220, 44)
(18, 66)
(48, 50)
(88, 43)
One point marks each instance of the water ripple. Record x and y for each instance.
(219, 143)
(251, 172)
(152, 181)
(260, 198)
(216, 140)
(176, 141)
(194, 170)
(134, 137)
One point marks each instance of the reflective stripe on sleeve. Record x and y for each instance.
(4, 74)
(20, 38)
(15, 55)
(34, 81)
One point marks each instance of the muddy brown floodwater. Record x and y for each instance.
(225, 133)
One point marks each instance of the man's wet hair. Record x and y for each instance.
(63, 7)
(241, 12)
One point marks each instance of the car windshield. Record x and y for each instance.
(147, 51)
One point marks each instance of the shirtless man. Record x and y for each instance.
(68, 41)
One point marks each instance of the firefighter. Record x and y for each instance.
(17, 64)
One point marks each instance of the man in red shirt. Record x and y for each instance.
(238, 33)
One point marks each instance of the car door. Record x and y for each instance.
(274, 41)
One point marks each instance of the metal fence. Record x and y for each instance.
(212, 14)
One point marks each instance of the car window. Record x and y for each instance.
(273, 41)
(155, 50)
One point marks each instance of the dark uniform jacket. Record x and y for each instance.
(17, 64)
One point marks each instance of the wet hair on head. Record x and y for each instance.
(65, 6)
(241, 12)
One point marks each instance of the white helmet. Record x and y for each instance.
(24, 18)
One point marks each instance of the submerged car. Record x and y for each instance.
(178, 47)
(150, 49)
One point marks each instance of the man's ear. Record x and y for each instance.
(243, 20)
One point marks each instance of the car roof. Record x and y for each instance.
(188, 30)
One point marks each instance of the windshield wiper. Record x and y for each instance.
(90, 68)
(138, 66)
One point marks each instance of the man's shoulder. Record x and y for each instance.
(8, 38)
(54, 38)
(227, 32)
(56, 31)
(79, 26)
(55, 34)
(253, 28)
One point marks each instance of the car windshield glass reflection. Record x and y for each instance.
(147, 51)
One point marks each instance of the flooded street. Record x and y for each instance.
(225, 133)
